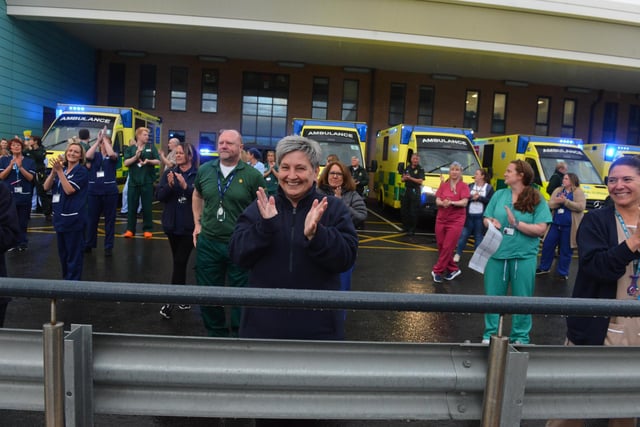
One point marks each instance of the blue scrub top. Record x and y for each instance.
(70, 211)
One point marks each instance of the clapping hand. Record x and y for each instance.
(511, 219)
(313, 217)
(266, 204)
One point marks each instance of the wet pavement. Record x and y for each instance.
(388, 261)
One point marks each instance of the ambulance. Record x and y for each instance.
(437, 147)
(543, 154)
(602, 155)
(344, 139)
(121, 124)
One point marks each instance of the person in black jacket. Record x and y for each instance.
(175, 191)
(9, 236)
(608, 266)
(556, 179)
(298, 239)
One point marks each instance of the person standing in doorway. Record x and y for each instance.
(222, 190)
(412, 176)
(141, 159)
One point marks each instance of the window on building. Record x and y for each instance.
(177, 134)
(471, 110)
(425, 105)
(116, 85)
(633, 133)
(569, 119)
(209, 91)
(610, 122)
(265, 99)
(397, 99)
(350, 100)
(179, 82)
(499, 116)
(320, 101)
(147, 95)
(542, 116)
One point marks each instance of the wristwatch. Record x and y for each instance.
(515, 224)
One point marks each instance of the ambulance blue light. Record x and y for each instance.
(127, 118)
(610, 154)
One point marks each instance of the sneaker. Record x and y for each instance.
(147, 235)
(453, 274)
(563, 278)
(165, 311)
(456, 258)
(436, 277)
(184, 307)
(540, 271)
(128, 234)
(485, 340)
(15, 248)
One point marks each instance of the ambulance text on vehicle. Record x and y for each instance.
(602, 155)
(121, 124)
(543, 154)
(437, 147)
(344, 139)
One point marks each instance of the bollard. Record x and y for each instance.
(53, 357)
(494, 387)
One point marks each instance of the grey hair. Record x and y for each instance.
(292, 143)
(455, 163)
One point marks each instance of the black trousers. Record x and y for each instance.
(181, 247)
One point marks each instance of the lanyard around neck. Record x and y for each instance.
(625, 230)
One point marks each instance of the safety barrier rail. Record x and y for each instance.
(189, 376)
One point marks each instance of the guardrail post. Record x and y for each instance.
(78, 376)
(53, 358)
(514, 386)
(494, 386)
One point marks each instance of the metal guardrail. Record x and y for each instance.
(209, 377)
(355, 300)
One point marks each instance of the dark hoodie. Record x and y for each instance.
(280, 256)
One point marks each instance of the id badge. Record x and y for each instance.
(100, 174)
(17, 189)
(508, 231)
(561, 211)
(55, 198)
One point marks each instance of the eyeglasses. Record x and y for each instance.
(335, 173)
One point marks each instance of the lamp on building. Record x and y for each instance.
(362, 70)
(444, 77)
(209, 58)
(290, 64)
(574, 89)
(516, 83)
(132, 53)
